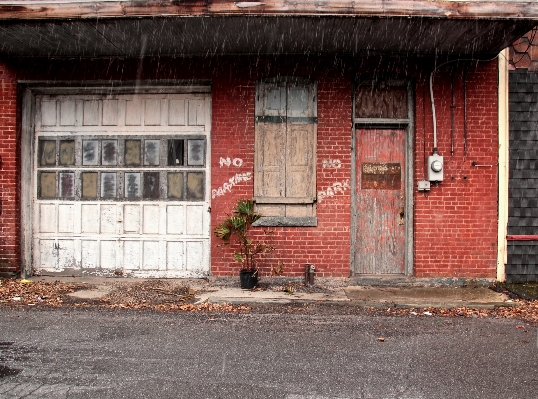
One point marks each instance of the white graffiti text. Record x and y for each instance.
(227, 187)
(331, 191)
(237, 162)
(332, 164)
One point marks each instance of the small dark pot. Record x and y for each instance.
(249, 279)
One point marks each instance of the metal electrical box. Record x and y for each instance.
(435, 167)
(423, 185)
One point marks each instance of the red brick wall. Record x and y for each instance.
(455, 223)
(328, 245)
(9, 173)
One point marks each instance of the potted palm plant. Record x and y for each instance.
(235, 231)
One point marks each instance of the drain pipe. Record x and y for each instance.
(433, 114)
(452, 108)
(465, 110)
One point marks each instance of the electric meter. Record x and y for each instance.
(437, 166)
(435, 169)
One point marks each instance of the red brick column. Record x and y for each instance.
(9, 173)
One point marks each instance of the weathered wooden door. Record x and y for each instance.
(380, 196)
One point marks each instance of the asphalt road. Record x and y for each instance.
(325, 353)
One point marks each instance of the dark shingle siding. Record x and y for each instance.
(522, 263)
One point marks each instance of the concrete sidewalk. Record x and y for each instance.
(324, 291)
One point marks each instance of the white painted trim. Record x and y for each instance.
(503, 165)
(27, 182)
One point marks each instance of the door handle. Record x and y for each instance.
(401, 216)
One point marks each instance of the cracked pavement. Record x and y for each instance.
(274, 351)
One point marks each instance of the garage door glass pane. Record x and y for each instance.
(151, 185)
(67, 152)
(132, 185)
(47, 185)
(195, 186)
(67, 185)
(110, 152)
(108, 185)
(175, 185)
(175, 152)
(196, 152)
(151, 152)
(89, 185)
(47, 153)
(132, 152)
(90, 152)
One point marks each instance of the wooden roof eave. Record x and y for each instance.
(80, 9)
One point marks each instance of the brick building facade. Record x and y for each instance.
(450, 230)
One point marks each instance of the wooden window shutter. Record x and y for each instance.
(270, 141)
(285, 159)
(301, 142)
(270, 166)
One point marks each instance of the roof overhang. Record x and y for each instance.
(212, 27)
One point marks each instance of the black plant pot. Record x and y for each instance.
(249, 279)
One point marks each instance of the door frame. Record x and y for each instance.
(29, 90)
(408, 126)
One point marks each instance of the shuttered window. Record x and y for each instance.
(285, 160)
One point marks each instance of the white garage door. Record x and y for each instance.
(121, 185)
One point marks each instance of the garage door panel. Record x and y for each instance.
(89, 218)
(68, 113)
(90, 254)
(151, 219)
(195, 255)
(110, 112)
(66, 218)
(196, 112)
(108, 253)
(174, 255)
(90, 113)
(48, 113)
(47, 255)
(131, 255)
(152, 112)
(122, 184)
(131, 219)
(109, 219)
(151, 255)
(133, 112)
(176, 112)
(47, 218)
(66, 255)
(195, 219)
(175, 223)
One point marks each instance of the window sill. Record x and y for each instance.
(274, 221)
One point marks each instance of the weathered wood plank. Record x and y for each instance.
(416, 8)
